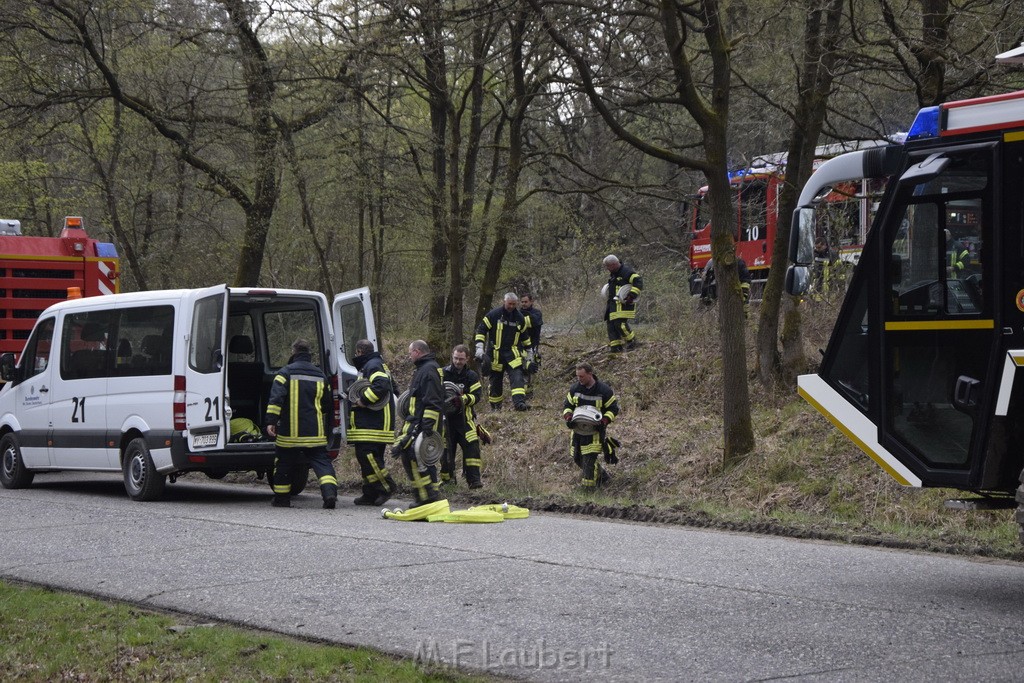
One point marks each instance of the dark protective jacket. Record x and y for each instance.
(601, 397)
(472, 394)
(536, 321)
(509, 334)
(426, 395)
(616, 309)
(364, 424)
(300, 404)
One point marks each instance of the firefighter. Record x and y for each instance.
(588, 390)
(505, 331)
(426, 411)
(957, 257)
(618, 312)
(531, 360)
(298, 417)
(461, 426)
(709, 286)
(370, 431)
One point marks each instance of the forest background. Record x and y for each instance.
(442, 152)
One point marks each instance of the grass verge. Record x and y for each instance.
(49, 636)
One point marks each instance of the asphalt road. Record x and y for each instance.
(549, 598)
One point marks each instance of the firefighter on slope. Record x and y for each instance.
(588, 390)
(618, 312)
(505, 332)
(299, 413)
(461, 427)
(370, 431)
(531, 362)
(426, 408)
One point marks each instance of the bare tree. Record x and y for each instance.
(689, 45)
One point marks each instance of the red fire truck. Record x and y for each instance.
(842, 225)
(36, 272)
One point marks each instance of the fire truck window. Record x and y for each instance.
(37, 352)
(284, 327)
(85, 350)
(144, 341)
(204, 345)
(936, 250)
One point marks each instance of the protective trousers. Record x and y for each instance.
(471, 460)
(585, 453)
(286, 460)
(424, 481)
(376, 478)
(515, 380)
(620, 333)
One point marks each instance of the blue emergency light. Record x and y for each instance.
(927, 124)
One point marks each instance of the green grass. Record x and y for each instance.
(47, 636)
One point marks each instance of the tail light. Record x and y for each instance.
(179, 402)
(337, 400)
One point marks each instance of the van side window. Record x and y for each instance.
(144, 341)
(36, 357)
(85, 352)
(204, 353)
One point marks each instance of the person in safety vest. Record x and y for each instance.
(460, 414)
(531, 360)
(505, 331)
(299, 414)
(618, 312)
(588, 390)
(426, 416)
(369, 430)
(957, 257)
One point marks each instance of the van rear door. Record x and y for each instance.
(205, 311)
(353, 320)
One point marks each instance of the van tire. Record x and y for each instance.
(141, 480)
(13, 473)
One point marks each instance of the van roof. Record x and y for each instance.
(160, 295)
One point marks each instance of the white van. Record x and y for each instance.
(146, 384)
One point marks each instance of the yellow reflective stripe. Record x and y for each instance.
(853, 437)
(279, 379)
(432, 415)
(327, 479)
(287, 441)
(318, 403)
(273, 410)
(918, 325)
(473, 462)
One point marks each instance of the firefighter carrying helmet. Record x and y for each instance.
(355, 394)
(586, 420)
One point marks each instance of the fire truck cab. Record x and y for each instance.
(36, 272)
(922, 370)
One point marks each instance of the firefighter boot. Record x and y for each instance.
(281, 501)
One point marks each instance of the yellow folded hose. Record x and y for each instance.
(507, 511)
(468, 517)
(416, 514)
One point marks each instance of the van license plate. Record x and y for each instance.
(201, 440)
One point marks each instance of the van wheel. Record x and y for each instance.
(141, 479)
(13, 473)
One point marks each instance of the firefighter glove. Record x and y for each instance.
(611, 458)
(606, 420)
(479, 351)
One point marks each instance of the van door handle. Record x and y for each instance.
(43, 390)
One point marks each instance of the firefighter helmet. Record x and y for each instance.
(585, 420)
(355, 394)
